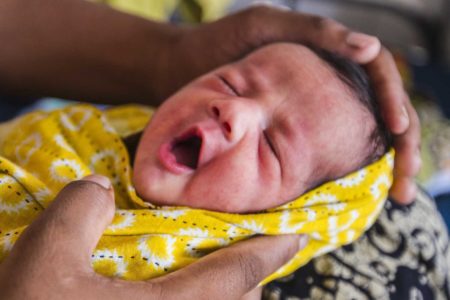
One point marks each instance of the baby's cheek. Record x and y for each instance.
(137, 177)
(220, 191)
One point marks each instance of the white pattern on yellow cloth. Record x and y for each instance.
(41, 152)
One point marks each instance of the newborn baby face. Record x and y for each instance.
(253, 134)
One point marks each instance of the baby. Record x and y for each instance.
(244, 138)
(259, 132)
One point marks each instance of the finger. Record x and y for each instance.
(71, 226)
(407, 161)
(360, 47)
(403, 190)
(333, 36)
(232, 272)
(389, 90)
(316, 31)
(407, 147)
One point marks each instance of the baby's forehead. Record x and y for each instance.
(284, 54)
(292, 70)
(288, 63)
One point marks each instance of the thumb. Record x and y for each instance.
(71, 226)
(232, 272)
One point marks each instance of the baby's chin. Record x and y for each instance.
(155, 192)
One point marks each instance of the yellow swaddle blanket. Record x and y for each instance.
(41, 152)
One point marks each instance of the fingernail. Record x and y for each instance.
(359, 40)
(418, 161)
(99, 179)
(303, 241)
(405, 113)
(404, 118)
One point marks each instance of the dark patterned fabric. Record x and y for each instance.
(405, 255)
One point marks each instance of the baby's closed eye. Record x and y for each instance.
(228, 86)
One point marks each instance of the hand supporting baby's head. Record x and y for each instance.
(259, 132)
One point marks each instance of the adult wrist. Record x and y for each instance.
(159, 62)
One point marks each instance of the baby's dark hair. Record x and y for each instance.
(357, 80)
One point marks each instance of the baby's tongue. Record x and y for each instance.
(187, 151)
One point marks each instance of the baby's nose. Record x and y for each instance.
(225, 124)
(234, 117)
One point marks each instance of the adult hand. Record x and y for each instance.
(238, 34)
(51, 259)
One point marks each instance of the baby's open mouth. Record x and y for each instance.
(186, 149)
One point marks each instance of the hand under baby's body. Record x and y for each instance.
(51, 259)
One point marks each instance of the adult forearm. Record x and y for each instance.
(80, 50)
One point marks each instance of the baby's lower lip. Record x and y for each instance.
(168, 160)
